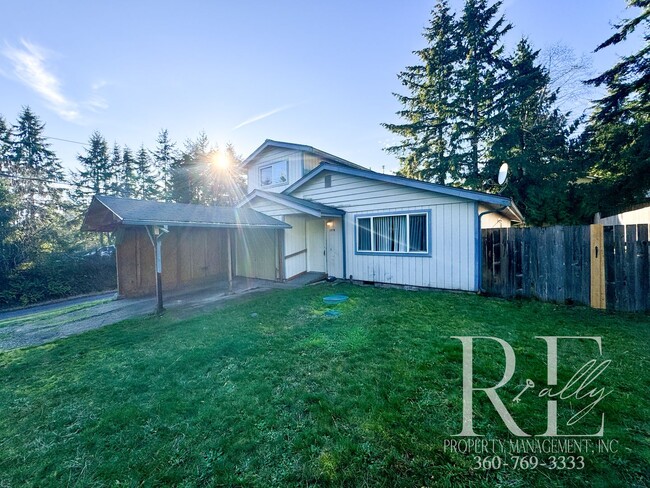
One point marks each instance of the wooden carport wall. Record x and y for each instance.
(156, 234)
(180, 255)
(196, 237)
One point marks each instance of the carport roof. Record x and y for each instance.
(106, 214)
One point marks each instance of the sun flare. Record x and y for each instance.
(221, 160)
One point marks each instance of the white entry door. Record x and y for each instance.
(316, 247)
(334, 247)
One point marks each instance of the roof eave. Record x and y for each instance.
(421, 185)
(290, 204)
(216, 225)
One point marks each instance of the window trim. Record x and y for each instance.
(270, 165)
(421, 254)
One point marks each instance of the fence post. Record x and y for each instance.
(597, 267)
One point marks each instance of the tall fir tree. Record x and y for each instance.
(618, 132)
(127, 174)
(7, 229)
(454, 108)
(96, 172)
(5, 145)
(190, 176)
(535, 143)
(35, 170)
(479, 107)
(113, 186)
(145, 181)
(426, 150)
(166, 160)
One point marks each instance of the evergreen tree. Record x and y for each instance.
(127, 175)
(427, 150)
(145, 182)
(113, 184)
(95, 174)
(7, 218)
(480, 91)
(454, 109)
(628, 81)
(190, 180)
(619, 130)
(36, 170)
(5, 145)
(166, 160)
(535, 143)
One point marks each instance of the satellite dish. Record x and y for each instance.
(503, 174)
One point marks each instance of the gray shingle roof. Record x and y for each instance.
(106, 213)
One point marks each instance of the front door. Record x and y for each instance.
(316, 246)
(334, 232)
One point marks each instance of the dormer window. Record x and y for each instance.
(274, 174)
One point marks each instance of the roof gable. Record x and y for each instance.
(269, 143)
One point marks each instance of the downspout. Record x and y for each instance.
(478, 247)
(345, 251)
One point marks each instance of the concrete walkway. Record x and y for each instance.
(43, 324)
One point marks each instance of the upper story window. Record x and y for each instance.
(274, 174)
(394, 234)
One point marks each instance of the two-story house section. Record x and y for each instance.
(349, 222)
(275, 165)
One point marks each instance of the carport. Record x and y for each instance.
(174, 245)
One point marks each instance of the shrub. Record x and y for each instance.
(57, 276)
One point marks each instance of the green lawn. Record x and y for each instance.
(269, 392)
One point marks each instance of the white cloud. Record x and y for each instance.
(30, 68)
(264, 115)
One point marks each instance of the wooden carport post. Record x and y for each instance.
(229, 237)
(156, 234)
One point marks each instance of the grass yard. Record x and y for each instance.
(269, 392)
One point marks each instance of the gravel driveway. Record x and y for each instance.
(39, 325)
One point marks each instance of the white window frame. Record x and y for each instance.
(408, 215)
(272, 166)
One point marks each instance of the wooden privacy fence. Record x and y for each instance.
(602, 266)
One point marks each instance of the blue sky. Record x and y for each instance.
(317, 73)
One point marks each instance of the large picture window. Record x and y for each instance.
(407, 233)
(274, 174)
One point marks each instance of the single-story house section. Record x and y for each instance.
(635, 214)
(357, 224)
(196, 243)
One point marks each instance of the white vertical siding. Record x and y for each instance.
(493, 220)
(272, 155)
(638, 216)
(311, 162)
(295, 242)
(452, 222)
(270, 208)
(256, 253)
